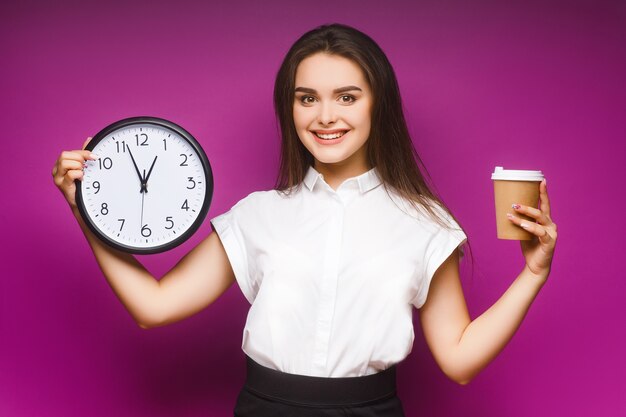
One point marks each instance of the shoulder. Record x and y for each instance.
(419, 214)
(254, 197)
(258, 202)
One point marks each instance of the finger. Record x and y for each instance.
(545, 201)
(531, 212)
(65, 180)
(78, 155)
(534, 228)
(71, 176)
(66, 165)
(87, 142)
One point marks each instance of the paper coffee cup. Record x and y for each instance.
(513, 186)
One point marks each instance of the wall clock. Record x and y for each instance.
(150, 188)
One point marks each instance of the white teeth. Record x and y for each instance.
(329, 136)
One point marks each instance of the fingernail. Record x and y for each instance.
(93, 156)
(509, 215)
(516, 206)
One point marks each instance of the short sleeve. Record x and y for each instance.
(439, 247)
(231, 231)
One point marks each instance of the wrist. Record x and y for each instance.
(76, 212)
(538, 279)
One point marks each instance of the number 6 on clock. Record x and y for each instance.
(149, 190)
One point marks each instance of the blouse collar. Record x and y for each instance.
(366, 181)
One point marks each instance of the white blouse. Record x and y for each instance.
(332, 276)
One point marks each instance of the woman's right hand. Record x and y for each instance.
(68, 168)
(196, 281)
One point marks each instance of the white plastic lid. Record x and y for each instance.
(516, 175)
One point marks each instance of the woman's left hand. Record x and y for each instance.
(540, 250)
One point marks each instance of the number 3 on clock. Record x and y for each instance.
(128, 195)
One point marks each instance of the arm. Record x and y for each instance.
(461, 347)
(197, 280)
(194, 283)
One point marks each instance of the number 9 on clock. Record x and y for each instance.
(150, 188)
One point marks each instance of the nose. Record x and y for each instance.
(327, 114)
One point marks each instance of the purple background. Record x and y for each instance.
(528, 85)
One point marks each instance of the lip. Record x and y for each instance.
(329, 132)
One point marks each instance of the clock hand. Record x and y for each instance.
(145, 181)
(143, 195)
(136, 169)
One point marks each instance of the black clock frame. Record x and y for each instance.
(208, 173)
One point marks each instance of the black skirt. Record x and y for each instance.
(271, 393)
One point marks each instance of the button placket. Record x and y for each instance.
(328, 288)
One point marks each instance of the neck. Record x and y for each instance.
(336, 173)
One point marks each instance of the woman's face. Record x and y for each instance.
(332, 111)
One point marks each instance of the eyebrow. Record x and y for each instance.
(335, 91)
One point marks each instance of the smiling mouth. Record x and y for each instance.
(330, 135)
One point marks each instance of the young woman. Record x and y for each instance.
(336, 256)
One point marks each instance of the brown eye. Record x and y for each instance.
(307, 99)
(347, 99)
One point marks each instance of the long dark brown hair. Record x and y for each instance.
(389, 149)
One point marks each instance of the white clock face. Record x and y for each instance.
(147, 187)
